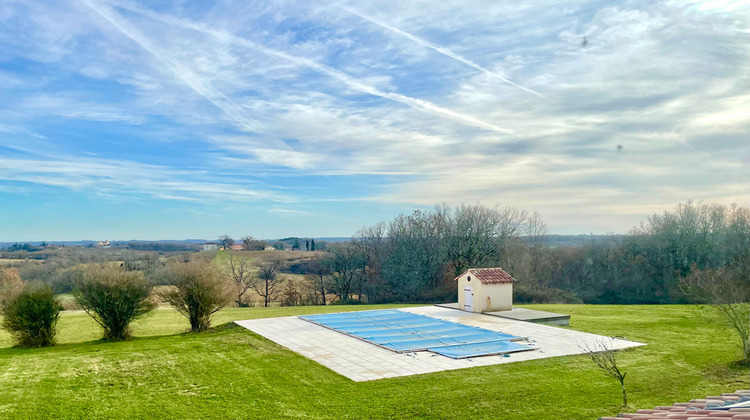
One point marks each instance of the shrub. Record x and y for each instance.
(198, 291)
(114, 298)
(347, 301)
(31, 317)
(530, 292)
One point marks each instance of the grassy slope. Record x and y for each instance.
(233, 373)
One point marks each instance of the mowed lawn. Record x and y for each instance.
(233, 373)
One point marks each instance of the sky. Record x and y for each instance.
(191, 119)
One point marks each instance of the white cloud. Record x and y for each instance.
(124, 179)
(68, 106)
(651, 111)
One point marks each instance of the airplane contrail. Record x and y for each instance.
(351, 82)
(184, 74)
(442, 50)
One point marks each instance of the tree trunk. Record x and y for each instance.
(624, 394)
(322, 290)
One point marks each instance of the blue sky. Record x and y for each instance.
(146, 120)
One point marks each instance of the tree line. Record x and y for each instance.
(416, 257)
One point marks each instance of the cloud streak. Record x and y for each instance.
(349, 81)
(183, 73)
(442, 50)
(192, 106)
(118, 178)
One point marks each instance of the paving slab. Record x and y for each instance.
(524, 314)
(362, 361)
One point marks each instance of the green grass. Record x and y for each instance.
(233, 373)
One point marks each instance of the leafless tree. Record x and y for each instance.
(268, 283)
(476, 233)
(605, 358)
(292, 295)
(535, 229)
(240, 273)
(372, 243)
(251, 244)
(225, 241)
(320, 279)
(345, 267)
(727, 291)
(247, 242)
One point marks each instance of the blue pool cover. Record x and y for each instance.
(406, 332)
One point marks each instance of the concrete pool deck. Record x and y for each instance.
(523, 314)
(362, 361)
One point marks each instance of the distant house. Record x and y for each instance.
(485, 290)
(236, 247)
(103, 244)
(269, 248)
(210, 246)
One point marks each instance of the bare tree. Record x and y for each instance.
(240, 274)
(535, 229)
(251, 244)
(320, 279)
(417, 253)
(268, 283)
(605, 358)
(372, 243)
(345, 266)
(225, 241)
(292, 295)
(727, 291)
(477, 233)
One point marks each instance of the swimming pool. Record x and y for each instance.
(403, 332)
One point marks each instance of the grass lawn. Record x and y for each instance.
(233, 373)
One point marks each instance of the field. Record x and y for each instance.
(221, 260)
(233, 373)
(11, 261)
(255, 256)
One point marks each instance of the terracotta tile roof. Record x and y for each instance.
(713, 407)
(490, 275)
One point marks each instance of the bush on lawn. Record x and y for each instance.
(198, 291)
(114, 298)
(31, 316)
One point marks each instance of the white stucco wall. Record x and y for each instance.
(476, 285)
(497, 297)
(487, 297)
